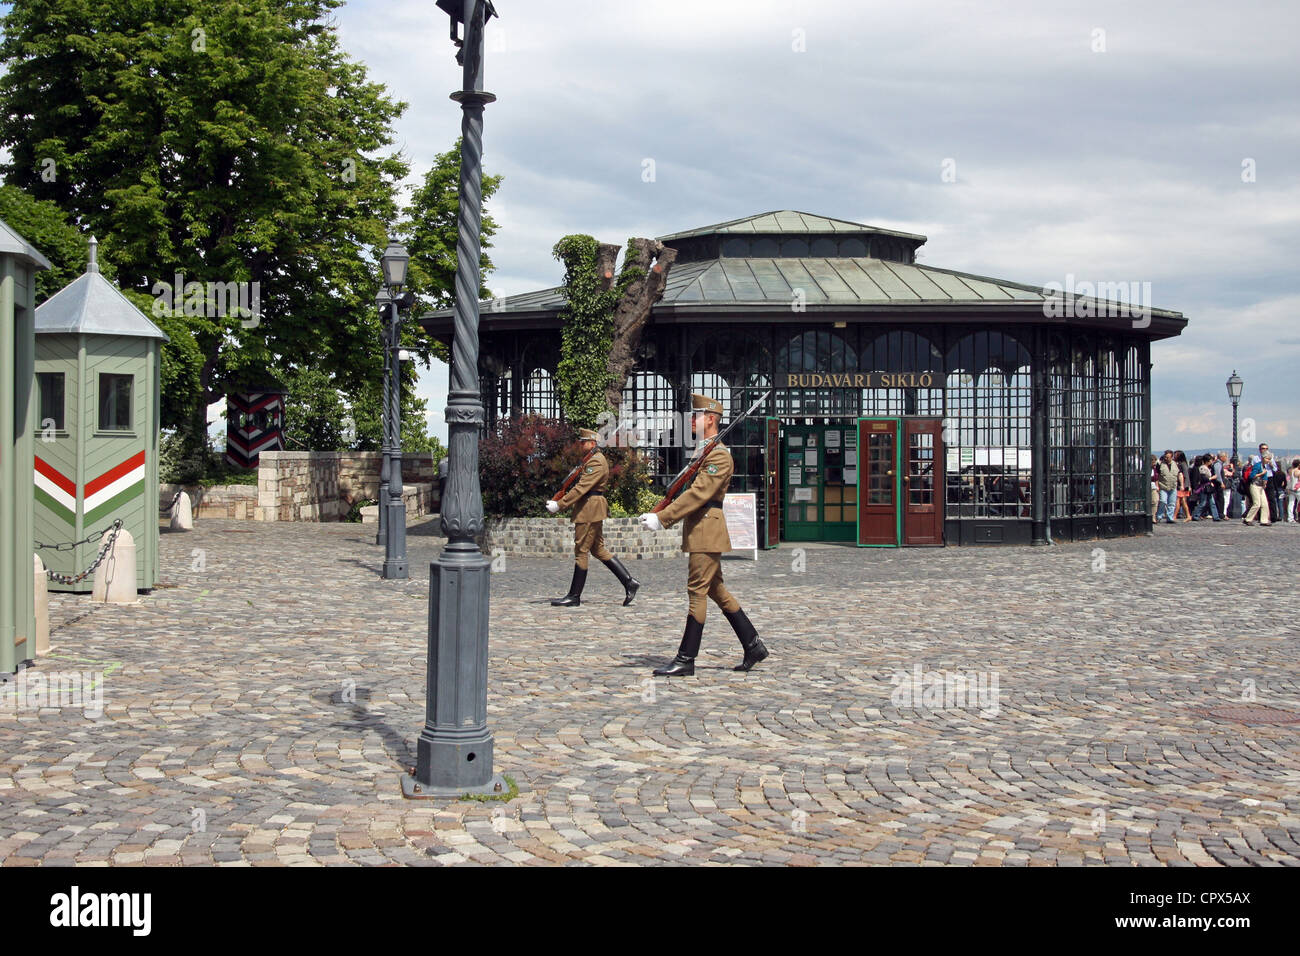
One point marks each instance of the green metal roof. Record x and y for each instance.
(92, 305)
(829, 282)
(788, 222)
(16, 245)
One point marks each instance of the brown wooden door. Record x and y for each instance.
(877, 481)
(923, 482)
(772, 462)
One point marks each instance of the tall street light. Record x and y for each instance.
(383, 300)
(454, 751)
(1234, 393)
(394, 262)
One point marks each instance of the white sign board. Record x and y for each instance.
(741, 515)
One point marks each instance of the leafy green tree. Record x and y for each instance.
(314, 411)
(228, 142)
(431, 232)
(46, 226)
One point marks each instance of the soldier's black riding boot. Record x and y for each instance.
(683, 665)
(574, 597)
(630, 584)
(754, 649)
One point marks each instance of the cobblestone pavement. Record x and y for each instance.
(260, 705)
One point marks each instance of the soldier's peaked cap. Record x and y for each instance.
(586, 434)
(702, 403)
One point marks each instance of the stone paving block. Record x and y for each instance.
(810, 758)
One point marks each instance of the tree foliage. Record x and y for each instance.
(586, 334)
(229, 142)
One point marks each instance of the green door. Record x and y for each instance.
(820, 481)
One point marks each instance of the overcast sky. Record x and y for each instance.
(1154, 142)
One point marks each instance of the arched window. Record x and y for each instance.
(903, 351)
(987, 433)
(539, 394)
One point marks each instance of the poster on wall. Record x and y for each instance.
(833, 439)
(796, 475)
(810, 458)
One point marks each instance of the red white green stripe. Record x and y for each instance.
(56, 492)
(113, 489)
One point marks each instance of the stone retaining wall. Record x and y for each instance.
(311, 486)
(551, 537)
(298, 486)
(218, 501)
(359, 474)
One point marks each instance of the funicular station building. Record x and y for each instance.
(909, 405)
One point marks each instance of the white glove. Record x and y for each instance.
(652, 522)
(553, 506)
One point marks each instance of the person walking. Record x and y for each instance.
(1257, 478)
(1206, 493)
(704, 538)
(1184, 486)
(587, 499)
(1168, 487)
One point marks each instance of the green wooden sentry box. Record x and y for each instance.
(19, 262)
(96, 448)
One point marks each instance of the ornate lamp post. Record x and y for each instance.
(394, 263)
(383, 300)
(1234, 393)
(454, 751)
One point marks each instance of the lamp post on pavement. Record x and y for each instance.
(383, 300)
(394, 262)
(454, 751)
(1234, 393)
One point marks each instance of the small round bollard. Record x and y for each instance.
(182, 514)
(115, 576)
(42, 595)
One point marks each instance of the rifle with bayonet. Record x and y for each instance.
(571, 478)
(687, 474)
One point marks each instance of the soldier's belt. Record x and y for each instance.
(714, 504)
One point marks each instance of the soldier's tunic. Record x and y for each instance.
(587, 498)
(704, 532)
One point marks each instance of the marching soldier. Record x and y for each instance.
(704, 537)
(587, 498)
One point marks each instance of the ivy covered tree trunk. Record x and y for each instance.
(604, 319)
(641, 284)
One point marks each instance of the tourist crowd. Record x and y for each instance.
(1262, 489)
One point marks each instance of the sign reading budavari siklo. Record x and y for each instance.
(860, 380)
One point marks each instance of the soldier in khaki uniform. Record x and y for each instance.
(704, 538)
(587, 499)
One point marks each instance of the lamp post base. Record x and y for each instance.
(412, 789)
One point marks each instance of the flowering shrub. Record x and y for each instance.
(524, 460)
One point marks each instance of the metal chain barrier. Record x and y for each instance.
(163, 512)
(104, 550)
